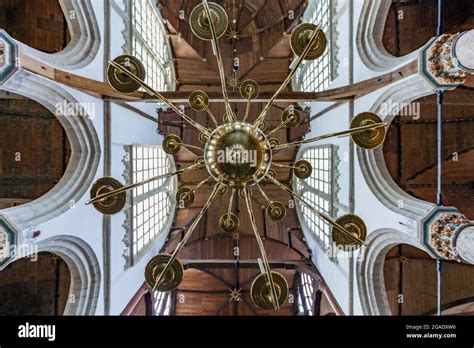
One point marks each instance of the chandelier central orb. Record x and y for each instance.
(238, 155)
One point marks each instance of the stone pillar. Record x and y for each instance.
(463, 51)
(446, 60)
(463, 242)
(449, 235)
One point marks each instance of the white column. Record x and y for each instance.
(463, 51)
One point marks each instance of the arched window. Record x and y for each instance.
(316, 75)
(163, 303)
(318, 190)
(305, 294)
(151, 205)
(150, 43)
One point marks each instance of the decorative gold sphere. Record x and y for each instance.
(111, 205)
(276, 211)
(263, 126)
(274, 142)
(303, 169)
(119, 80)
(172, 144)
(222, 190)
(292, 117)
(202, 138)
(241, 193)
(199, 100)
(201, 162)
(184, 197)
(300, 38)
(369, 139)
(261, 291)
(229, 223)
(272, 174)
(354, 225)
(170, 280)
(200, 22)
(249, 89)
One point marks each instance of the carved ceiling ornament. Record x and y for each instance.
(8, 242)
(445, 61)
(449, 235)
(9, 61)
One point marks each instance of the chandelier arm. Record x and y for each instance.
(159, 96)
(217, 53)
(229, 210)
(195, 188)
(280, 126)
(183, 242)
(132, 186)
(332, 135)
(265, 196)
(321, 214)
(284, 166)
(192, 147)
(274, 295)
(247, 109)
(227, 119)
(211, 115)
(290, 76)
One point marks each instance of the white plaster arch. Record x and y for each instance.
(372, 162)
(85, 37)
(370, 37)
(84, 268)
(85, 152)
(370, 268)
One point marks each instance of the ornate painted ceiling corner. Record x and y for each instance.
(9, 57)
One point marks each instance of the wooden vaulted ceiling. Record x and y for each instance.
(411, 23)
(38, 24)
(411, 272)
(262, 46)
(410, 151)
(265, 55)
(35, 286)
(35, 150)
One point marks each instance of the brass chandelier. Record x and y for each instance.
(237, 156)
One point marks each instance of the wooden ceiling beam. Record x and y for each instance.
(254, 15)
(105, 91)
(368, 86)
(235, 97)
(469, 81)
(248, 264)
(348, 92)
